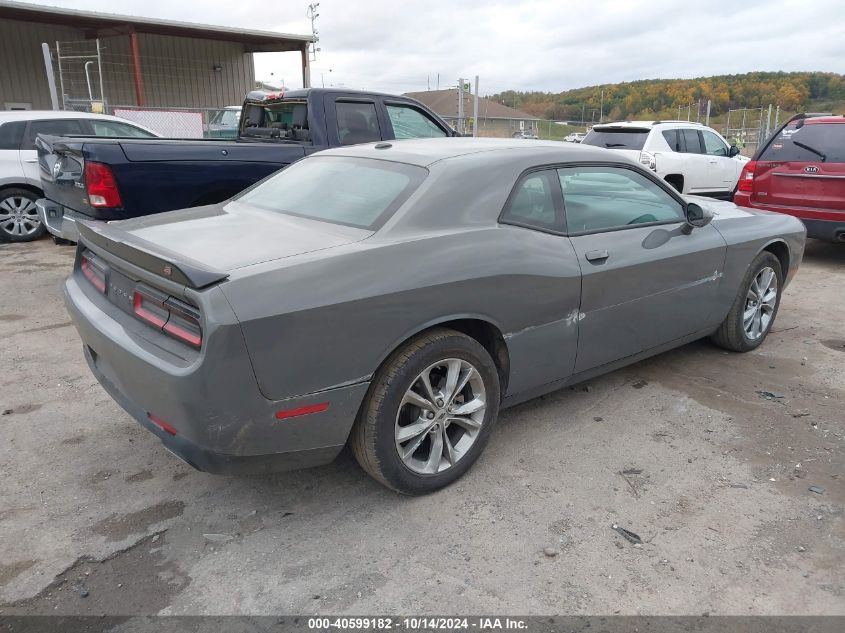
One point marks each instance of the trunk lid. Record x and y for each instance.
(204, 244)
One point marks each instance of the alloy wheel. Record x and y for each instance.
(440, 416)
(760, 304)
(18, 216)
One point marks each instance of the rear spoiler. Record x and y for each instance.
(150, 257)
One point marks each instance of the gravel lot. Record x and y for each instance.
(96, 517)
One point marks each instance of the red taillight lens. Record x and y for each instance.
(174, 318)
(183, 324)
(94, 272)
(746, 178)
(101, 185)
(150, 308)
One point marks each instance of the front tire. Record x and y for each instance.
(755, 307)
(19, 221)
(428, 413)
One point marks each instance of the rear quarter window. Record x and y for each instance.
(11, 134)
(617, 139)
(808, 143)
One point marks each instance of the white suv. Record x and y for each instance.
(693, 158)
(20, 178)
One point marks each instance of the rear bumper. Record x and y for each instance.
(821, 224)
(60, 221)
(222, 424)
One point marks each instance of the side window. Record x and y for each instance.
(713, 145)
(56, 127)
(112, 128)
(532, 203)
(408, 122)
(691, 141)
(11, 134)
(356, 122)
(671, 137)
(602, 198)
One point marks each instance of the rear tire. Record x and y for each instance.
(19, 221)
(415, 438)
(756, 305)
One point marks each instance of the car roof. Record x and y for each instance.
(824, 119)
(427, 151)
(644, 124)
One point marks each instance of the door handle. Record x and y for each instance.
(31, 160)
(596, 256)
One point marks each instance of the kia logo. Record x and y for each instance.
(812, 169)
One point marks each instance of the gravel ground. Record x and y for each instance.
(96, 517)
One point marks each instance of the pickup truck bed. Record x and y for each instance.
(95, 178)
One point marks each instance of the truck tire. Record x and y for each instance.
(428, 412)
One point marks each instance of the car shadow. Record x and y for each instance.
(820, 252)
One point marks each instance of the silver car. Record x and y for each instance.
(395, 296)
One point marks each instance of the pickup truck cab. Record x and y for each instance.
(88, 178)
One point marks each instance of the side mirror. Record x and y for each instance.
(733, 151)
(697, 217)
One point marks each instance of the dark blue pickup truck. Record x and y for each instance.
(91, 178)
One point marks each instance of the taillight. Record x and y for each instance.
(94, 272)
(176, 319)
(183, 324)
(746, 177)
(101, 186)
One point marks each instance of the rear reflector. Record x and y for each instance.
(294, 413)
(101, 186)
(164, 426)
(746, 178)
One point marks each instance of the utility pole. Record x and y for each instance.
(769, 121)
(51, 78)
(707, 119)
(582, 113)
(312, 15)
(461, 105)
(601, 107)
(475, 110)
(438, 81)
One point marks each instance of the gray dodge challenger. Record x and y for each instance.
(395, 296)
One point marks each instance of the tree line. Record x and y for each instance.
(660, 98)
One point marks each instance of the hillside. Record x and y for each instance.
(660, 98)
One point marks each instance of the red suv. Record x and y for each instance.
(800, 171)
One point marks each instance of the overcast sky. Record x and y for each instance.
(401, 46)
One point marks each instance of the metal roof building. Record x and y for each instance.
(494, 118)
(125, 60)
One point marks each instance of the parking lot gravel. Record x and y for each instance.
(728, 467)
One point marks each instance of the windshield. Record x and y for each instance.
(359, 192)
(616, 139)
(228, 118)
